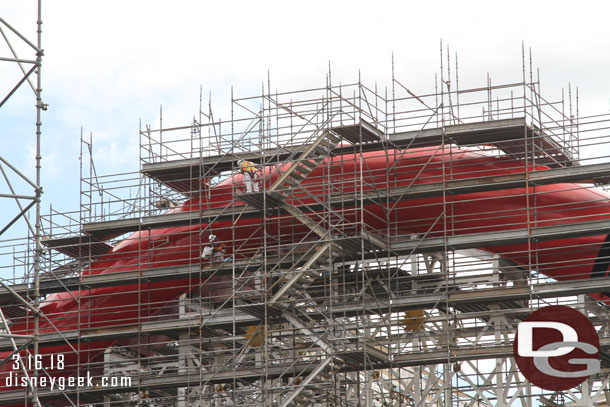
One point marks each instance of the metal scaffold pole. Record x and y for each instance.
(38, 250)
(324, 247)
(34, 263)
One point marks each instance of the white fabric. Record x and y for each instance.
(207, 251)
(250, 181)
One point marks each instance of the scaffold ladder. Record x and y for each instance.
(297, 279)
(294, 282)
(307, 161)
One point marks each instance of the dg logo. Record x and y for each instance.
(556, 348)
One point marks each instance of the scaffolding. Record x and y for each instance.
(342, 282)
(23, 256)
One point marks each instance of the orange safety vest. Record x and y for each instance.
(218, 247)
(248, 166)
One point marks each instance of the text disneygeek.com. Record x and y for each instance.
(16, 377)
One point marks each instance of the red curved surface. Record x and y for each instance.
(555, 204)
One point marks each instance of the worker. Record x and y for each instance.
(216, 251)
(248, 170)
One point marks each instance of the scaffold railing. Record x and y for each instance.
(390, 250)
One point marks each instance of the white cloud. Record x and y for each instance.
(109, 64)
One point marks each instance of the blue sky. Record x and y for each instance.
(109, 64)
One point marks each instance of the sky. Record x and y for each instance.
(109, 65)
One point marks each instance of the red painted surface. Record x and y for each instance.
(468, 213)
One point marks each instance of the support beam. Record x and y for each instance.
(192, 378)
(380, 306)
(589, 173)
(503, 237)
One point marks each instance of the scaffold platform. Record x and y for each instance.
(342, 281)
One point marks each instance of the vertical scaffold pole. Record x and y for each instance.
(37, 252)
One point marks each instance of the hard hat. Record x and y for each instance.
(212, 238)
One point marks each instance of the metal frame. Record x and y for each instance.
(30, 68)
(337, 314)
